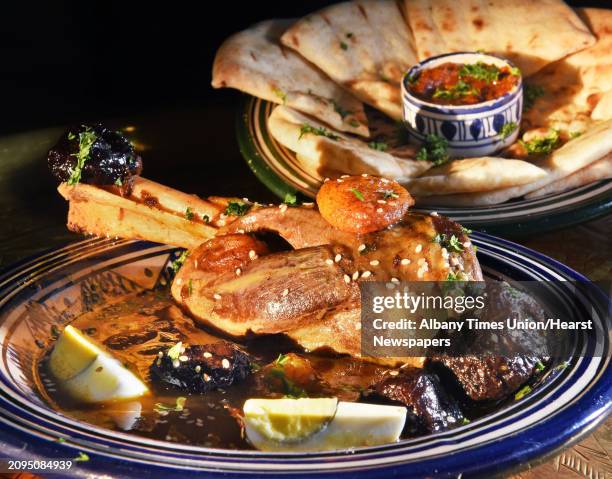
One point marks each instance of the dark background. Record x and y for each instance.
(64, 62)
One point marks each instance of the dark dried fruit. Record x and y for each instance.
(109, 158)
(202, 368)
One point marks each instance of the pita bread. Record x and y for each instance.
(255, 62)
(577, 88)
(600, 170)
(474, 174)
(341, 154)
(530, 34)
(364, 45)
(593, 145)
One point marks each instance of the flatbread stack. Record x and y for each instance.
(323, 68)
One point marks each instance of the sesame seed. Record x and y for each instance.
(418, 248)
(283, 207)
(217, 296)
(183, 359)
(238, 271)
(206, 377)
(195, 264)
(384, 180)
(382, 202)
(241, 231)
(225, 363)
(365, 175)
(366, 274)
(325, 180)
(337, 258)
(434, 213)
(379, 210)
(198, 368)
(405, 261)
(176, 363)
(207, 355)
(285, 292)
(160, 354)
(308, 204)
(329, 261)
(395, 280)
(374, 262)
(355, 275)
(344, 176)
(361, 247)
(393, 373)
(252, 255)
(179, 281)
(347, 278)
(246, 200)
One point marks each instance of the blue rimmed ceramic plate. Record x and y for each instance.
(279, 169)
(52, 289)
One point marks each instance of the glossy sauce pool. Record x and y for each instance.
(137, 327)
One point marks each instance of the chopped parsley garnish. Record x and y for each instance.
(344, 46)
(237, 208)
(317, 130)
(521, 393)
(434, 149)
(71, 136)
(189, 213)
(178, 262)
(175, 351)
(378, 145)
(340, 110)
(349, 35)
(61, 439)
(388, 194)
(480, 71)
(357, 194)
(280, 93)
(575, 134)
(178, 407)
(465, 421)
(466, 231)
(86, 140)
(354, 123)
(516, 71)
(413, 78)
(459, 90)
(508, 129)
(190, 287)
(452, 276)
(542, 145)
(451, 244)
(530, 94)
(291, 199)
(562, 366)
(539, 366)
(118, 182)
(82, 457)
(291, 390)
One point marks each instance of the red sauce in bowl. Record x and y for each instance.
(463, 84)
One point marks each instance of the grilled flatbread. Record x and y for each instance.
(474, 174)
(600, 170)
(577, 89)
(530, 34)
(255, 62)
(595, 144)
(364, 45)
(327, 153)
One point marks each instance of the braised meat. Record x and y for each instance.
(430, 408)
(201, 368)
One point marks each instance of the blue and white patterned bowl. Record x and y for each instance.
(471, 130)
(52, 289)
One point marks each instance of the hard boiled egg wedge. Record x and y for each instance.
(88, 372)
(320, 424)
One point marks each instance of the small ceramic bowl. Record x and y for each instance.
(471, 130)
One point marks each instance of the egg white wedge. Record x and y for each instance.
(89, 373)
(352, 425)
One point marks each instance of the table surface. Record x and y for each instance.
(196, 151)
